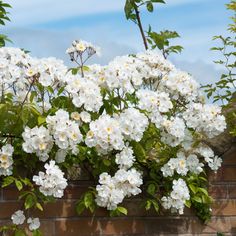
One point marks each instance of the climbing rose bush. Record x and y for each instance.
(136, 125)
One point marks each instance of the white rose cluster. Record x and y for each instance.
(214, 162)
(177, 198)
(205, 118)
(6, 159)
(65, 132)
(37, 140)
(84, 92)
(79, 47)
(125, 158)
(182, 165)
(18, 218)
(105, 134)
(52, 182)
(111, 191)
(18, 71)
(181, 85)
(133, 123)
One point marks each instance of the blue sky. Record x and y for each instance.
(47, 27)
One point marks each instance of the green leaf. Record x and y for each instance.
(150, 6)
(122, 210)
(155, 205)
(151, 189)
(36, 233)
(30, 201)
(8, 181)
(80, 207)
(19, 185)
(160, 1)
(197, 199)
(188, 203)
(139, 152)
(19, 232)
(106, 162)
(193, 188)
(41, 120)
(39, 206)
(128, 9)
(148, 205)
(203, 191)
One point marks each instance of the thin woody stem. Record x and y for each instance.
(140, 26)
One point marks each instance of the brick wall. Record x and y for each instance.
(60, 219)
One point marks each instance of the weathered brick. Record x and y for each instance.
(123, 226)
(230, 157)
(229, 173)
(232, 191)
(218, 192)
(8, 208)
(217, 224)
(224, 208)
(233, 224)
(161, 225)
(77, 227)
(10, 193)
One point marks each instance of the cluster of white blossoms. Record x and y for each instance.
(18, 218)
(6, 160)
(154, 101)
(18, 71)
(52, 182)
(125, 158)
(181, 85)
(177, 198)
(65, 132)
(205, 118)
(105, 134)
(133, 123)
(84, 92)
(37, 140)
(111, 191)
(123, 73)
(108, 133)
(182, 165)
(214, 162)
(78, 47)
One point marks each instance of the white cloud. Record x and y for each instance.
(203, 72)
(28, 12)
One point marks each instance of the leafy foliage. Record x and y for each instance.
(224, 90)
(3, 18)
(159, 40)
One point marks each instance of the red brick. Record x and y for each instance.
(10, 193)
(233, 224)
(220, 224)
(224, 208)
(215, 177)
(57, 209)
(122, 226)
(218, 191)
(232, 191)
(162, 225)
(8, 208)
(224, 174)
(230, 157)
(77, 227)
(229, 173)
